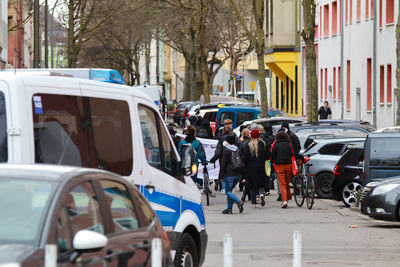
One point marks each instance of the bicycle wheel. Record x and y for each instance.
(310, 192)
(298, 190)
(207, 191)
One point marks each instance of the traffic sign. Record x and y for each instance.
(238, 77)
(252, 85)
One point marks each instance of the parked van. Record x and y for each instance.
(69, 121)
(238, 114)
(382, 156)
(153, 92)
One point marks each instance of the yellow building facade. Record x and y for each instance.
(283, 55)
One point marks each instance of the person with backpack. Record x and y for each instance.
(255, 155)
(198, 148)
(230, 171)
(293, 139)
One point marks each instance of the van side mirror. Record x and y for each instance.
(188, 162)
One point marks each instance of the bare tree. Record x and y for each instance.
(308, 34)
(257, 38)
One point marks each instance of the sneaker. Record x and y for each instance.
(284, 205)
(226, 211)
(201, 191)
(266, 194)
(279, 198)
(223, 191)
(262, 201)
(240, 206)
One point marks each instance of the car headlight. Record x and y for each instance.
(383, 189)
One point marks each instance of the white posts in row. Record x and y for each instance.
(227, 250)
(296, 249)
(156, 252)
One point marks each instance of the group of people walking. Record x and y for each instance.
(253, 159)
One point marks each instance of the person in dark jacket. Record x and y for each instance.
(245, 139)
(230, 176)
(293, 138)
(198, 148)
(172, 132)
(254, 158)
(324, 111)
(281, 153)
(204, 130)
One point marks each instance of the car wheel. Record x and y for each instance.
(349, 192)
(186, 253)
(323, 185)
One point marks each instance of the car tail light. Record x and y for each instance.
(166, 239)
(188, 115)
(306, 159)
(184, 113)
(336, 170)
(175, 111)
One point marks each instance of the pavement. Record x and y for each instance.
(332, 235)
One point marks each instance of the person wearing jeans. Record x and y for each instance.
(230, 175)
(230, 183)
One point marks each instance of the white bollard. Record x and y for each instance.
(50, 256)
(156, 252)
(227, 250)
(296, 249)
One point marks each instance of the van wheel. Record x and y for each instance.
(186, 253)
(323, 185)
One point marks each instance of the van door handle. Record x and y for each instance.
(144, 245)
(149, 186)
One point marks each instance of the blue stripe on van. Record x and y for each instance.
(156, 101)
(168, 207)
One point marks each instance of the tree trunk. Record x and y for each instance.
(71, 36)
(258, 6)
(312, 80)
(147, 59)
(398, 66)
(187, 82)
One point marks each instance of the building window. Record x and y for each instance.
(322, 83)
(334, 17)
(382, 84)
(334, 83)
(339, 83)
(389, 11)
(348, 85)
(320, 22)
(272, 17)
(326, 20)
(351, 11)
(277, 92)
(266, 17)
(380, 13)
(358, 10)
(366, 9)
(287, 94)
(291, 96)
(371, 15)
(326, 83)
(369, 84)
(282, 96)
(389, 83)
(347, 11)
(296, 88)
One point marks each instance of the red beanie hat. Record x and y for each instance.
(255, 133)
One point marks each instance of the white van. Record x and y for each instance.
(153, 91)
(70, 121)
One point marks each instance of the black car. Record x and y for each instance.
(179, 110)
(381, 199)
(348, 175)
(90, 218)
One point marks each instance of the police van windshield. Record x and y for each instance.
(3, 129)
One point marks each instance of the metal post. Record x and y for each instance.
(374, 68)
(227, 250)
(234, 88)
(296, 249)
(156, 252)
(36, 38)
(342, 56)
(46, 35)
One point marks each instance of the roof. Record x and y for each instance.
(338, 140)
(384, 134)
(276, 119)
(44, 80)
(41, 171)
(242, 107)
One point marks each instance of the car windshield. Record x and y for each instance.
(3, 129)
(23, 207)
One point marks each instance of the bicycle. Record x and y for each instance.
(207, 183)
(304, 187)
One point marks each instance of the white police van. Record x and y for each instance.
(69, 121)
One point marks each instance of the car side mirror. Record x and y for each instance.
(89, 240)
(188, 162)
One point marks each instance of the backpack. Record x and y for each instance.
(236, 160)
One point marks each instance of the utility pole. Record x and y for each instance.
(46, 35)
(36, 37)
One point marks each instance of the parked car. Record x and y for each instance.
(92, 216)
(348, 175)
(382, 156)
(324, 154)
(275, 122)
(185, 113)
(179, 110)
(76, 122)
(381, 199)
(322, 127)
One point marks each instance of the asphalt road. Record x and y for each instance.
(264, 236)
